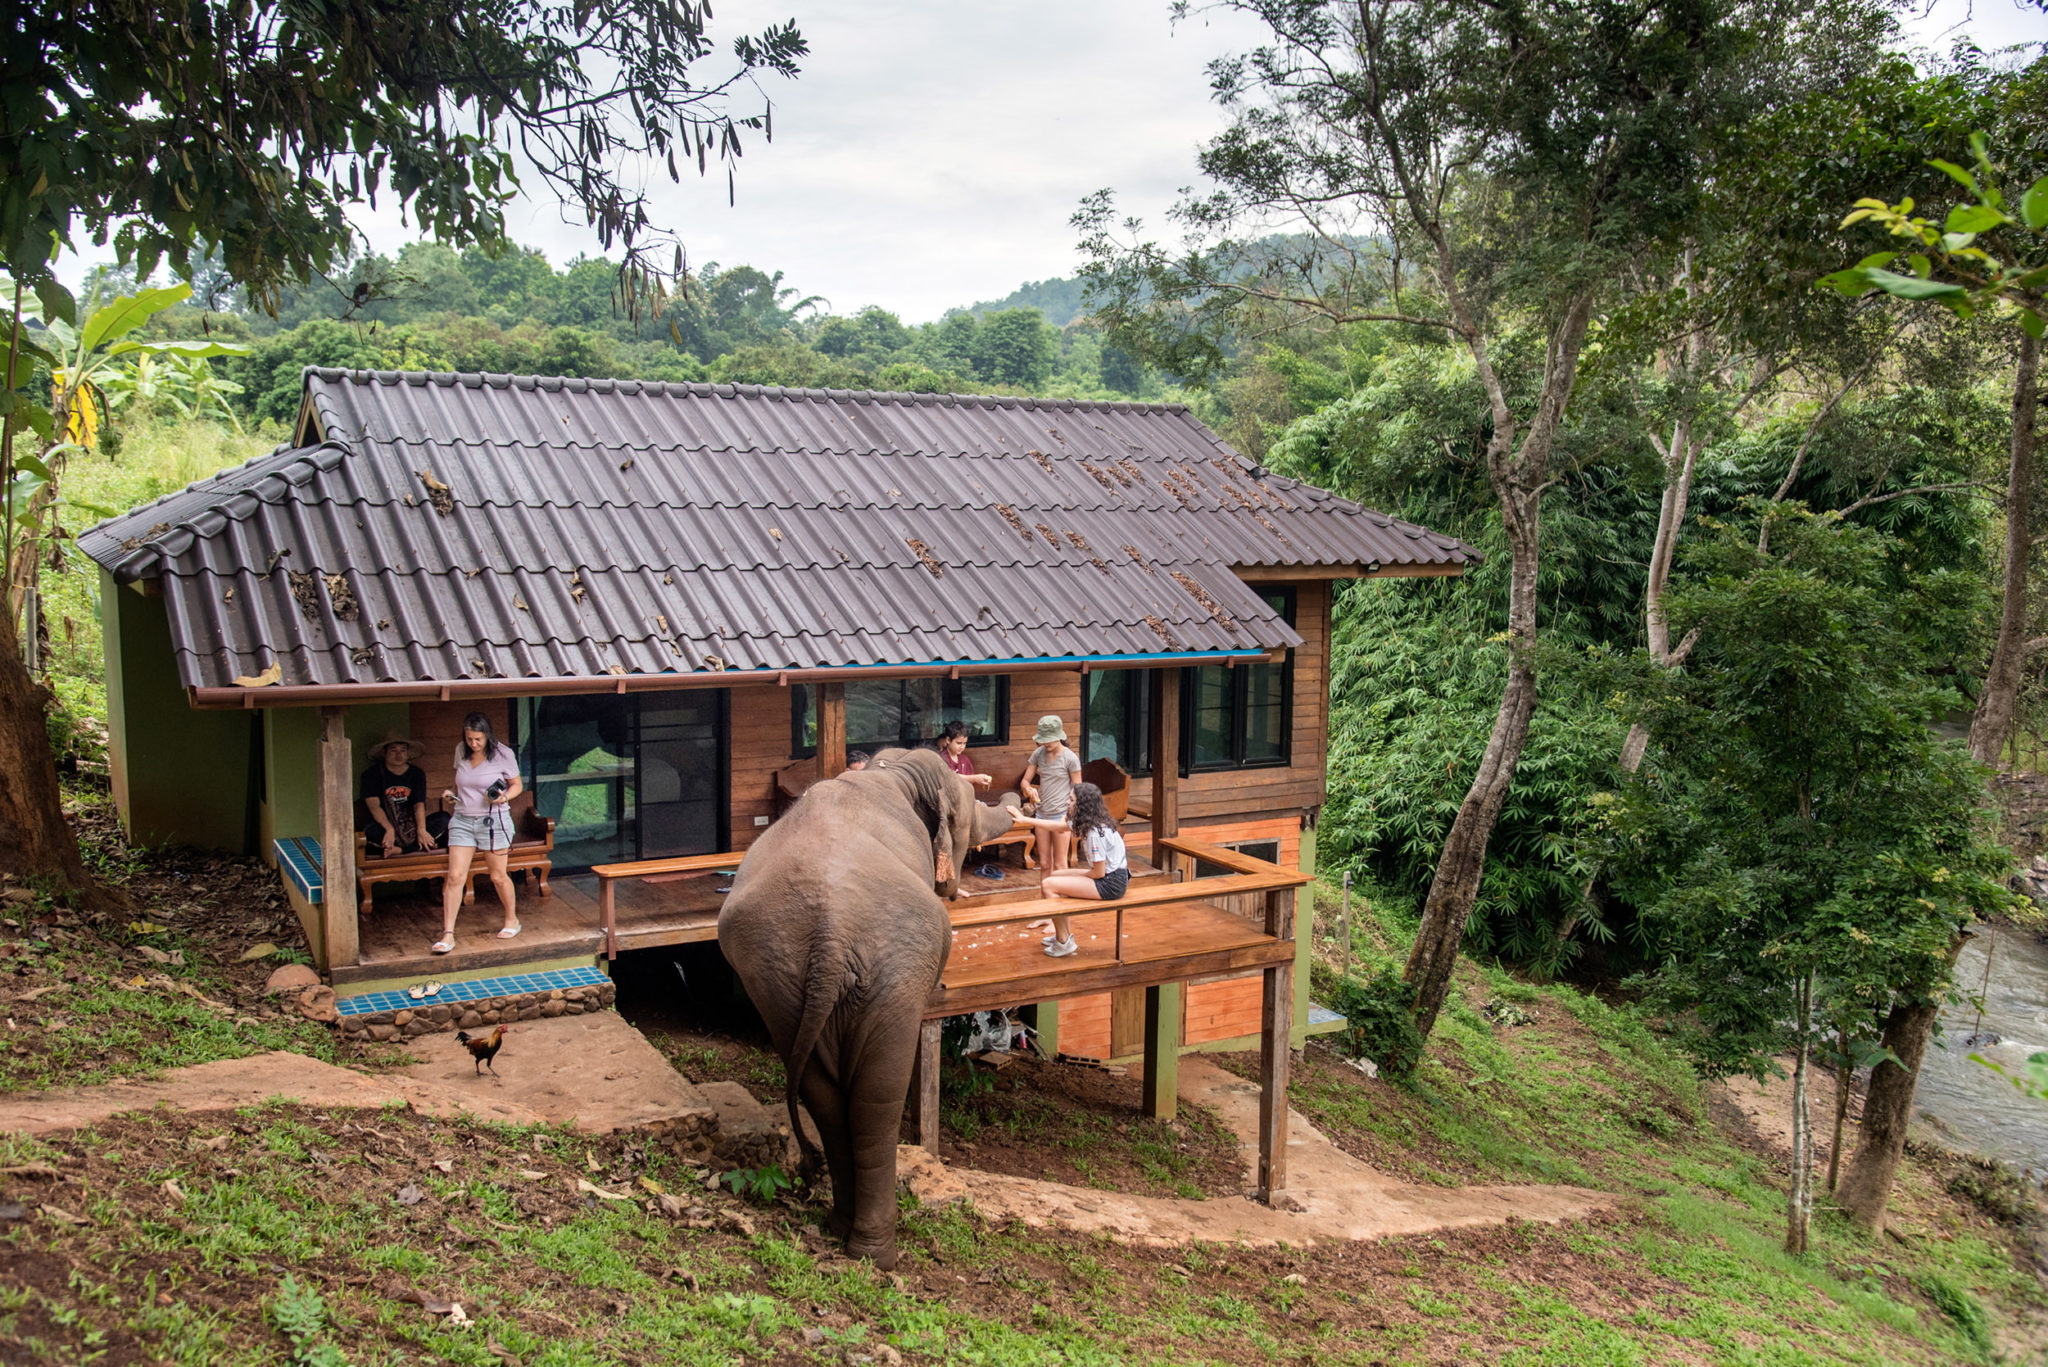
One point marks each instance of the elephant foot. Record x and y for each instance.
(882, 1255)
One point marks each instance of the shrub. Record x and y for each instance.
(1379, 1014)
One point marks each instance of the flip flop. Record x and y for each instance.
(416, 992)
(990, 872)
(444, 944)
(431, 989)
(510, 932)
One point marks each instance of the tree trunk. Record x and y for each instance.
(1887, 1107)
(1799, 1200)
(1998, 700)
(36, 842)
(1519, 477)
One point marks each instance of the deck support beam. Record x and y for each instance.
(1162, 1050)
(924, 1086)
(1276, 1021)
(831, 730)
(339, 928)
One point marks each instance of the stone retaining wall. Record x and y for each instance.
(430, 1015)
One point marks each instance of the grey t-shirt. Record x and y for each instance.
(1055, 780)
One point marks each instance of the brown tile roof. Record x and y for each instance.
(466, 527)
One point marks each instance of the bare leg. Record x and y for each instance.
(1069, 883)
(452, 887)
(494, 861)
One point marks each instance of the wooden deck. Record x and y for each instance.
(665, 909)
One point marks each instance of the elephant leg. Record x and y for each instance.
(823, 1099)
(882, 1058)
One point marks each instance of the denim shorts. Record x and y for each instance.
(492, 831)
(1112, 885)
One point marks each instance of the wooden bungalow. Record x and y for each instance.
(683, 603)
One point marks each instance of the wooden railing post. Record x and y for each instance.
(339, 926)
(1165, 765)
(831, 730)
(1276, 1024)
(608, 914)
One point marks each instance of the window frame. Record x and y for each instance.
(802, 697)
(1240, 703)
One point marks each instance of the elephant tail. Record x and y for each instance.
(819, 1005)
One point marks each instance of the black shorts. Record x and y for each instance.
(1113, 884)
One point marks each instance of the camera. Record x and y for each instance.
(495, 791)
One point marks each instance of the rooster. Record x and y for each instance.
(482, 1050)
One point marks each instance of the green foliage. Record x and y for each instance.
(1960, 1306)
(762, 1184)
(1796, 819)
(1379, 1014)
(298, 1313)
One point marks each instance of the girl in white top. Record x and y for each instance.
(1109, 867)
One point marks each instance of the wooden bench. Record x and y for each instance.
(533, 844)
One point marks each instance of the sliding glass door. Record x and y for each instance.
(643, 776)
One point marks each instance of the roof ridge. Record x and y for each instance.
(733, 389)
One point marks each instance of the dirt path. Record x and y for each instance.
(1330, 1195)
(595, 1071)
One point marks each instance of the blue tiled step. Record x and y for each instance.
(477, 989)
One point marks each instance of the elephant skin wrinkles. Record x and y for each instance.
(837, 927)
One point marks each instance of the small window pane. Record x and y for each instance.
(978, 702)
(1265, 713)
(1108, 714)
(1212, 708)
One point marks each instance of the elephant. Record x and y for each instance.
(837, 928)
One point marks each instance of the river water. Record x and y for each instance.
(1979, 1110)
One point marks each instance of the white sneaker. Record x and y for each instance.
(1060, 949)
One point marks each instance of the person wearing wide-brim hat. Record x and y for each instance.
(1049, 777)
(395, 791)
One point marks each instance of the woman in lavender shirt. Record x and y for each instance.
(486, 781)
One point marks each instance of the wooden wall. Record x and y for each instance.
(437, 730)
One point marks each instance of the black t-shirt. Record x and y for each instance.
(398, 793)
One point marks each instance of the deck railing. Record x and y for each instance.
(609, 875)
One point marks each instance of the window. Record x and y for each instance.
(641, 776)
(1239, 717)
(1268, 850)
(882, 714)
(1117, 705)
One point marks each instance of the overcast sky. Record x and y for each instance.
(930, 154)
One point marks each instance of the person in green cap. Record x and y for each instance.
(1049, 778)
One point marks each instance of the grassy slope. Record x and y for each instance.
(1688, 1271)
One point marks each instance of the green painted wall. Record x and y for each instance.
(291, 762)
(180, 776)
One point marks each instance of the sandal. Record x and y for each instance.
(444, 944)
(416, 992)
(431, 989)
(510, 932)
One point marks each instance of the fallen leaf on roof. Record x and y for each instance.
(479, 667)
(342, 597)
(411, 502)
(618, 669)
(305, 595)
(228, 597)
(275, 556)
(383, 622)
(775, 532)
(272, 675)
(668, 579)
(361, 655)
(661, 623)
(714, 664)
(520, 603)
(625, 465)
(924, 553)
(437, 492)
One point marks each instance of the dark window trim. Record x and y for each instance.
(1137, 723)
(800, 696)
(1239, 706)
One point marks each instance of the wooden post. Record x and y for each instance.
(337, 842)
(924, 1087)
(831, 730)
(1165, 762)
(1346, 961)
(1162, 1050)
(1275, 1052)
(608, 916)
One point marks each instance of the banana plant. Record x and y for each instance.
(81, 359)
